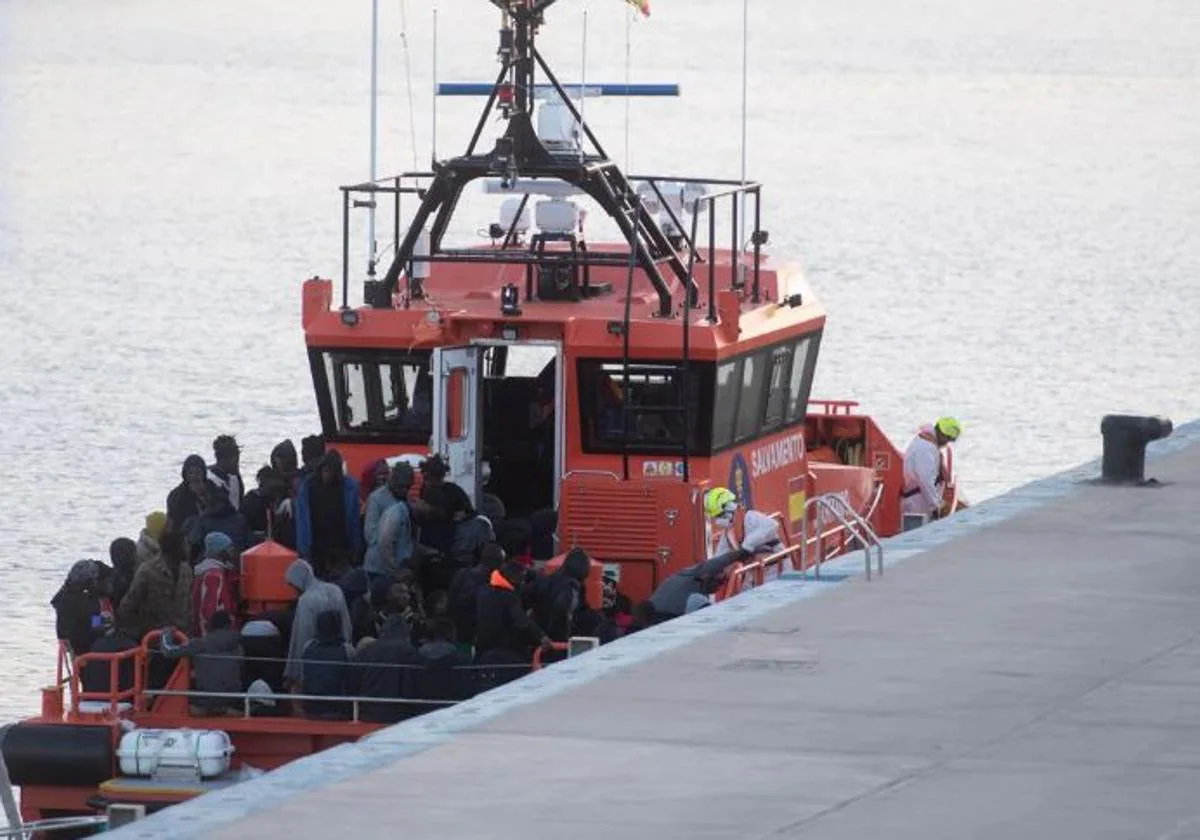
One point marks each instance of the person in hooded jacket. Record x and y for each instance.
(328, 525)
(472, 530)
(215, 585)
(218, 661)
(312, 451)
(385, 670)
(188, 499)
(286, 464)
(501, 624)
(559, 595)
(326, 668)
(122, 552)
(219, 517)
(369, 610)
(316, 597)
(82, 607)
(388, 525)
(443, 675)
(464, 589)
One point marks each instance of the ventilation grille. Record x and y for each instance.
(617, 521)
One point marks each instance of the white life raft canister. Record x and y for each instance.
(145, 752)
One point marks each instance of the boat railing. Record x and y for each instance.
(735, 192)
(538, 655)
(365, 195)
(248, 698)
(755, 572)
(850, 523)
(834, 406)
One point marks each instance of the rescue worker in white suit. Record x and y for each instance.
(924, 470)
(732, 526)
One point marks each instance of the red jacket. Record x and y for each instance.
(214, 588)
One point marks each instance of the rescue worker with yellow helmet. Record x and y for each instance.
(924, 490)
(735, 534)
(731, 526)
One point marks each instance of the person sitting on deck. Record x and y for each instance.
(218, 660)
(325, 668)
(161, 592)
(670, 599)
(924, 469)
(215, 585)
(732, 526)
(370, 610)
(328, 521)
(443, 675)
(82, 606)
(189, 498)
(316, 597)
(391, 541)
(97, 676)
(227, 455)
(384, 671)
(218, 517)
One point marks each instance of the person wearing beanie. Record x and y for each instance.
(214, 587)
(148, 542)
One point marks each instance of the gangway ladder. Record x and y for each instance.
(854, 525)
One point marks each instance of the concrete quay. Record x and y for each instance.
(1030, 668)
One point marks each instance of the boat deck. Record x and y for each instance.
(1031, 668)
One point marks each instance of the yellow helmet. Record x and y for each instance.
(949, 427)
(718, 501)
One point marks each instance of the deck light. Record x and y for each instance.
(510, 301)
(508, 333)
(350, 317)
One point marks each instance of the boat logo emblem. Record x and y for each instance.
(739, 480)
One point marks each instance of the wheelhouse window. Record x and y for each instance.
(763, 391)
(374, 394)
(645, 413)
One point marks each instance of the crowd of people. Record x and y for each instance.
(404, 589)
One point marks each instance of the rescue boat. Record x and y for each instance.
(612, 381)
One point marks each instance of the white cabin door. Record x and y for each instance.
(457, 415)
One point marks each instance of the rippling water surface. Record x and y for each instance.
(996, 200)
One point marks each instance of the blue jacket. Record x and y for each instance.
(304, 533)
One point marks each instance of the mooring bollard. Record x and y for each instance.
(1125, 439)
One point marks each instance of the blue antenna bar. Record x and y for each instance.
(485, 89)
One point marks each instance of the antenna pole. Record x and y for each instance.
(583, 84)
(628, 60)
(374, 135)
(745, 87)
(433, 138)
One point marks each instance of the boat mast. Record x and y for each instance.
(374, 156)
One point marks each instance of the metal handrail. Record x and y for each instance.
(851, 521)
(248, 698)
(38, 827)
